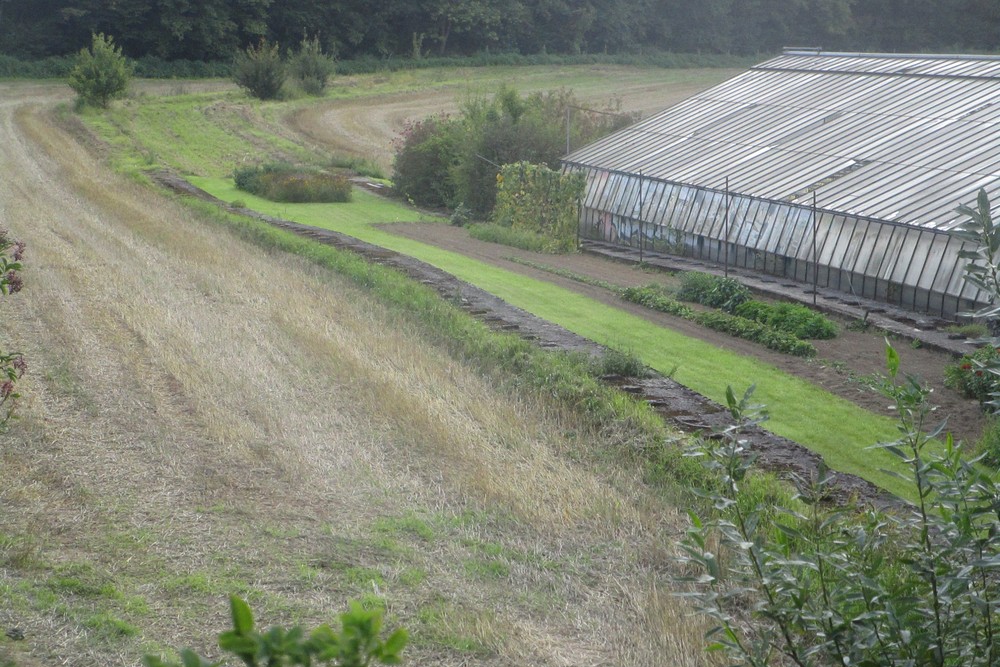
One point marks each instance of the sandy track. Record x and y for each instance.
(367, 127)
(201, 418)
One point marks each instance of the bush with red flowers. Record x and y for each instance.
(972, 375)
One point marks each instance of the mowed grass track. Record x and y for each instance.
(203, 418)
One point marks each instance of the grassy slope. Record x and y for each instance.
(829, 425)
(190, 431)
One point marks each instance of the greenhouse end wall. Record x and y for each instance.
(916, 268)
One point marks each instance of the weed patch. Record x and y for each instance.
(286, 183)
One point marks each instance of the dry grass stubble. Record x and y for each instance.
(202, 417)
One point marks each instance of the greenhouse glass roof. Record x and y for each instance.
(897, 138)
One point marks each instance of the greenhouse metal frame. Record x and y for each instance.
(843, 170)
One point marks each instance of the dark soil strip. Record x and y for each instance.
(686, 409)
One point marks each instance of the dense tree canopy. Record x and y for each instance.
(215, 29)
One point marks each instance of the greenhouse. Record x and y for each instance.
(843, 170)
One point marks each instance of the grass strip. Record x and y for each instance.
(837, 429)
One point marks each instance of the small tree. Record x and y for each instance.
(101, 73)
(311, 67)
(260, 70)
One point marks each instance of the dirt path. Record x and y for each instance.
(366, 127)
(841, 366)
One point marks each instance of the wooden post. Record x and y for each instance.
(726, 227)
(642, 236)
(815, 256)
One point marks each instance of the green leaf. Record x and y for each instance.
(891, 359)
(242, 616)
(395, 643)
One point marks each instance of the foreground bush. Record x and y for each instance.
(356, 645)
(101, 73)
(285, 183)
(915, 586)
(260, 70)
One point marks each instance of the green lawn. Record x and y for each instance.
(837, 429)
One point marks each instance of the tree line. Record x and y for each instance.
(212, 30)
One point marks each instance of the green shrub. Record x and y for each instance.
(426, 154)
(618, 362)
(440, 162)
(310, 67)
(757, 332)
(712, 291)
(796, 319)
(286, 183)
(101, 73)
(260, 70)
(972, 376)
(652, 296)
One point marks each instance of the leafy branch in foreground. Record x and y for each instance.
(913, 586)
(974, 375)
(12, 364)
(356, 645)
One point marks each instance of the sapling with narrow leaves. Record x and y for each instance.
(915, 585)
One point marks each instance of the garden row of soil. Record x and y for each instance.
(680, 406)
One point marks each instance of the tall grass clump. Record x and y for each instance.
(286, 183)
(515, 238)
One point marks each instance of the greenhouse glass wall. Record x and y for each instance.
(843, 169)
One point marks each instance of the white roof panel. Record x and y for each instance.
(901, 138)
